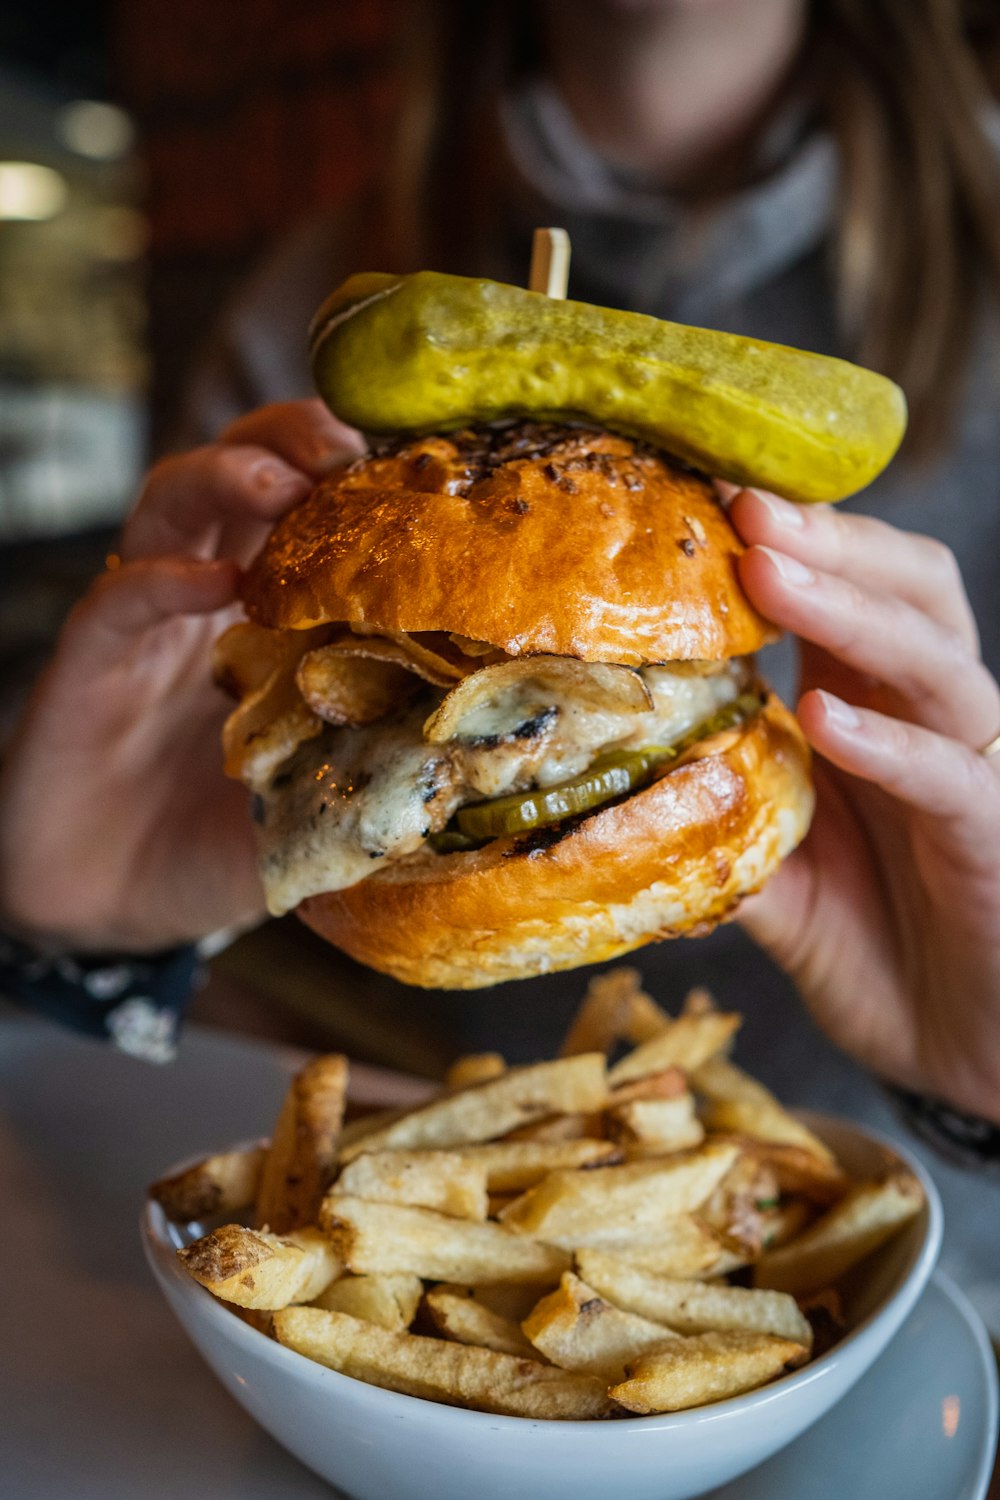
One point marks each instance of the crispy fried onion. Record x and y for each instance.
(533, 678)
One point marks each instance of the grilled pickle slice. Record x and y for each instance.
(613, 774)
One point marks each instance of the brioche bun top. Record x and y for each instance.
(532, 537)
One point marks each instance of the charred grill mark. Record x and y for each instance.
(540, 840)
(530, 729)
(434, 780)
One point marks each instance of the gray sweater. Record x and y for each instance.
(758, 265)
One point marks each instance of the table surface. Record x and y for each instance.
(102, 1395)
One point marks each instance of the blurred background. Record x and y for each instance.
(150, 153)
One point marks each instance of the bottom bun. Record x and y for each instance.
(673, 858)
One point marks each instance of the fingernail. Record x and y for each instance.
(329, 459)
(782, 512)
(790, 569)
(273, 475)
(840, 714)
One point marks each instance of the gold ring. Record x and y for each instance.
(993, 748)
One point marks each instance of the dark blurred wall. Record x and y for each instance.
(251, 113)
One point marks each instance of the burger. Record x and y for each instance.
(498, 708)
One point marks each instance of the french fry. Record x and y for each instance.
(707, 1367)
(669, 1083)
(692, 1306)
(460, 1316)
(575, 1328)
(388, 1237)
(687, 1043)
(222, 1184)
(645, 1019)
(785, 1221)
(497, 1202)
(567, 1207)
(736, 1103)
(510, 1300)
(561, 1226)
(255, 1269)
(554, 1128)
(605, 1013)
(862, 1221)
(679, 1246)
(390, 1301)
(736, 1209)
(439, 1370)
(444, 1180)
(573, 1084)
(697, 1002)
(796, 1169)
(477, 1067)
(300, 1165)
(512, 1166)
(365, 1125)
(651, 1127)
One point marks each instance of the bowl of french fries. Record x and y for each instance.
(626, 1271)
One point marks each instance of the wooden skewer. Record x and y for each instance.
(549, 262)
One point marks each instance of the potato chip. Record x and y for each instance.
(352, 689)
(433, 657)
(266, 729)
(246, 655)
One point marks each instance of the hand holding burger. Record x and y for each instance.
(111, 838)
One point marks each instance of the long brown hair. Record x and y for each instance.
(903, 86)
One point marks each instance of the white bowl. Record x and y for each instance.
(379, 1445)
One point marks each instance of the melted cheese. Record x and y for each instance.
(353, 798)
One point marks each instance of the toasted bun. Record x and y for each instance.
(534, 538)
(675, 857)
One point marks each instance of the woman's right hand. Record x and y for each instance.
(118, 830)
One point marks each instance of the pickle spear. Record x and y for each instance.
(429, 352)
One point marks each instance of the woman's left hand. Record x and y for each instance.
(888, 915)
